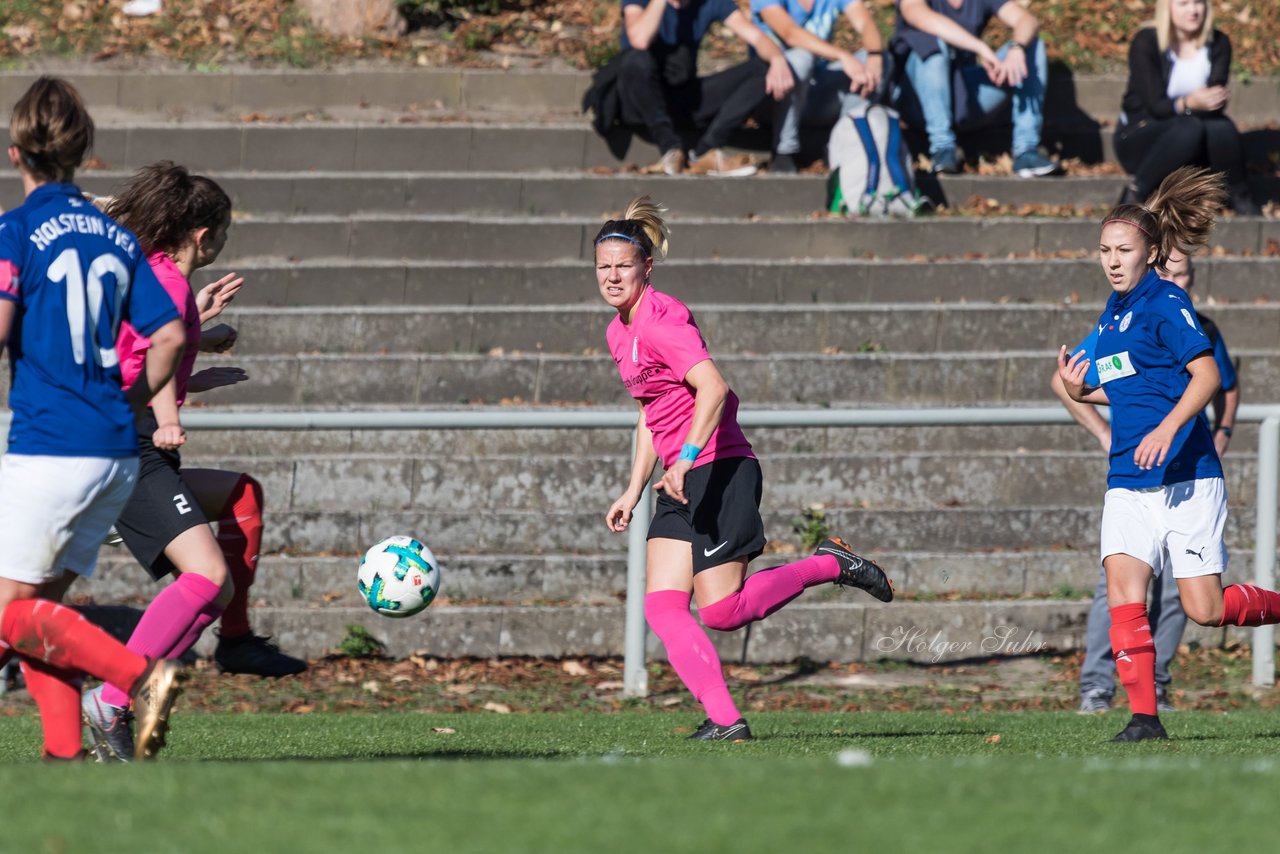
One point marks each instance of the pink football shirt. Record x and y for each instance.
(653, 353)
(132, 347)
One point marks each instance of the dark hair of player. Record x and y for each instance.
(1179, 215)
(163, 203)
(51, 129)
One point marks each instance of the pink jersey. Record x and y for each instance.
(132, 347)
(653, 353)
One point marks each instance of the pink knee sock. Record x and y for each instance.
(690, 652)
(168, 621)
(767, 591)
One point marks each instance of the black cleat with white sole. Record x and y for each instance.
(857, 571)
(710, 731)
(1142, 728)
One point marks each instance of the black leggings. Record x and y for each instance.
(717, 105)
(1151, 150)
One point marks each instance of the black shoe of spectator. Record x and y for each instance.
(945, 162)
(783, 164)
(1130, 196)
(1243, 204)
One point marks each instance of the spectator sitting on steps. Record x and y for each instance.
(953, 76)
(658, 83)
(1175, 104)
(829, 80)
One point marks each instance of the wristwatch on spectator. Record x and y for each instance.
(1226, 429)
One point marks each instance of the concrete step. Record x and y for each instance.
(322, 582)
(579, 194)
(847, 379)
(924, 632)
(541, 239)
(394, 481)
(1081, 99)
(527, 144)
(247, 445)
(330, 282)
(581, 531)
(821, 328)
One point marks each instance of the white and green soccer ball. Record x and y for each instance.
(398, 577)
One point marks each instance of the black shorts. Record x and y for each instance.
(722, 519)
(161, 507)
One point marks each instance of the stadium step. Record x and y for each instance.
(395, 282)
(539, 239)
(894, 328)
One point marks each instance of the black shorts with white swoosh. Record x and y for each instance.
(722, 521)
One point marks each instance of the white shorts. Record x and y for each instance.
(1179, 526)
(54, 512)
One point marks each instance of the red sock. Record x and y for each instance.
(57, 693)
(1246, 605)
(57, 635)
(768, 590)
(240, 538)
(1135, 655)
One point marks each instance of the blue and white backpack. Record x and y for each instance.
(871, 173)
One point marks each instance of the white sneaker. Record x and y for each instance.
(142, 8)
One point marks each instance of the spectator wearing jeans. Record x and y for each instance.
(829, 80)
(1167, 619)
(1175, 104)
(658, 83)
(953, 76)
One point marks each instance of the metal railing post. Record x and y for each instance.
(1264, 545)
(635, 678)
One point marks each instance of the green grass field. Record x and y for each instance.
(882, 782)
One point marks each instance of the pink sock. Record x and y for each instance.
(167, 620)
(767, 591)
(690, 652)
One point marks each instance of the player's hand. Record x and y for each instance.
(859, 80)
(672, 482)
(619, 515)
(169, 437)
(214, 297)
(1153, 448)
(218, 338)
(779, 81)
(218, 377)
(1072, 370)
(1221, 441)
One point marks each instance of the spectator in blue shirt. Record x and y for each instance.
(829, 80)
(1168, 621)
(953, 76)
(659, 86)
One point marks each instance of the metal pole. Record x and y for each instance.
(1264, 549)
(635, 678)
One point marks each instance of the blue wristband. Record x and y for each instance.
(690, 452)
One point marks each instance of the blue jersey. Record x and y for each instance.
(820, 19)
(74, 274)
(1139, 351)
(686, 26)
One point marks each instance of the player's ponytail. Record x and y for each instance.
(1184, 206)
(162, 204)
(641, 224)
(51, 129)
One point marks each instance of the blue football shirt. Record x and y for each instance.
(74, 274)
(1140, 348)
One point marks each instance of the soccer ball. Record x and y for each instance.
(398, 577)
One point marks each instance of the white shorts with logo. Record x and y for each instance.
(55, 511)
(1179, 526)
